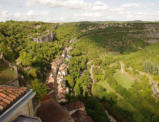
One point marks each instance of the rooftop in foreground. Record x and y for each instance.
(15, 101)
(9, 95)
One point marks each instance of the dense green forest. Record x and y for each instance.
(111, 64)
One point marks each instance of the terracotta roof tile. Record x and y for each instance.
(9, 94)
(1, 107)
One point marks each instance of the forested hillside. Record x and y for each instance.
(113, 66)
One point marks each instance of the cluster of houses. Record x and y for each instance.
(57, 74)
(62, 90)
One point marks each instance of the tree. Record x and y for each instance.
(151, 67)
(40, 88)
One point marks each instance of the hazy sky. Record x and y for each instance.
(79, 10)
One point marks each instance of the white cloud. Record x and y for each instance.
(130, 5)
(30, 15)
(4, 15)
(69, 4)
(90, 16)
(79, 10)
(46, 16)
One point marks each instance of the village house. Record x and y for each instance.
(16, 104)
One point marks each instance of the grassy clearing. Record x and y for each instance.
(108, 88)
(123, 79)
(6, 73)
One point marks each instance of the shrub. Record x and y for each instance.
(40, 88)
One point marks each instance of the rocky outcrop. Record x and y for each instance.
(104, 26)
(46, 38)
(37, 26)
(110, 117)
(78, 112)
(75, 106)
(154, 87)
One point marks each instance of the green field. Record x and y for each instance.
(127, 95)
(123, 80)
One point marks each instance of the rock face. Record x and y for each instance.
(75, 106)
(104, 26)
(152, 33)
(46, 38)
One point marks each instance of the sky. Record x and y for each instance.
(79, 10)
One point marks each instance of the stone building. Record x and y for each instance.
(16, 104)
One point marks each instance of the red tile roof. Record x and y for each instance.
(9, 94)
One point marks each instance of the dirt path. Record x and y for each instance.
(91, 73)
(122, 67)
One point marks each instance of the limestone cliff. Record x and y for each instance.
(46, 38)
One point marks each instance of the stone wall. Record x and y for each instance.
(26, 109)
